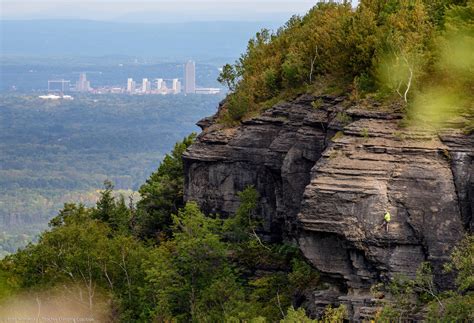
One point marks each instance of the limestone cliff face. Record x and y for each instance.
(329, 192)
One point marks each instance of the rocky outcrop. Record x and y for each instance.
(326, 174)
(273, 152)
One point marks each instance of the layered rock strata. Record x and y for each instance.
(273, 152)
(326, 174)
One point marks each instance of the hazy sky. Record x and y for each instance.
(153, 10)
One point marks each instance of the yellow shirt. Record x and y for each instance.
(387, 217)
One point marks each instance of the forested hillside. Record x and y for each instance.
(416, 52)
(55, 152)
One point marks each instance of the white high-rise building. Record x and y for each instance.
(190, 77)
(176, 86)
(83, 85)
(164, 87)
(159, 84)
(146, 85)
(131, 85)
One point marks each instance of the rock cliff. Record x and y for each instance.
(326, 173)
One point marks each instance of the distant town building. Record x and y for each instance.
(208, 90)
(49, 97)
(176, 86)
(83, 85)
(164, 88)
(146, 86)
(153, 86)
(159, 84)
(55, 97)
(190, 77)
(131, 85)
(116, 90)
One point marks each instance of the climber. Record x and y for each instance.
(386, 220)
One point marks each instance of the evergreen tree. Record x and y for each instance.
(162, 194)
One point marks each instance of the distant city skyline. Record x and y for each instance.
(153, 11)
(145, 86)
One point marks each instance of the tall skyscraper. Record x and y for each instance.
(146, 85)
(83, 85)
(131, 85)
(159, 84)
(190, 77)
(176, 86)
(164, 87)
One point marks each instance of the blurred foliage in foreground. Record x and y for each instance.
(416, 51)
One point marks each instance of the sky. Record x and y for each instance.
(153, 11)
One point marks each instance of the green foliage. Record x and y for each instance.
(240, 227)
(302, 276)
(291, 72)
(343, 118)
(228, 77)
(195, 275)
(7, 288)
(238, 105)
(364, 133)
(455, 308)
(384, 48)
(337, 136)
(331, 314)
(296, 315)
(289, 59)
(203, 269)
(106, 203)
(57, 152)
(111, 210)
(162, 194)
(447, 93)
(87, 251)
(462, 261)
(410, 296)
(317, 104)
(271, 80)
(189, 275)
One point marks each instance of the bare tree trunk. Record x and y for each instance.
(409, 81)
(279, 306)
(124, 268)
(313, 60)
(107, 276)
(410, 78)
(89, 284)
(38, 302)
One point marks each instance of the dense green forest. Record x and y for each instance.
(55, 152)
